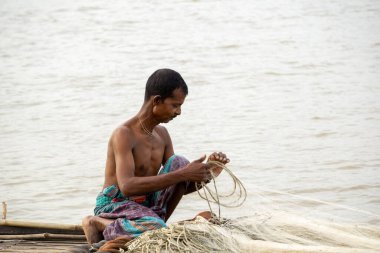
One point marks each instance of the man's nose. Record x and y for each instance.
(178, 111)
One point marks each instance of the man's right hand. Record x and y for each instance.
(197, 171)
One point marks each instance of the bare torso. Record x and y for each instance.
(149, 151)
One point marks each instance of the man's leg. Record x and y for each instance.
(179, 191)
(166, 201)
(169, 198)
(93, 227)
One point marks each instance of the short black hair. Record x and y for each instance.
(163, 82)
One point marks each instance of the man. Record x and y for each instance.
(137, 196)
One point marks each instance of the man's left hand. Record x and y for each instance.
(218, 157)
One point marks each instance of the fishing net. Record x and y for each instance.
(268, 228)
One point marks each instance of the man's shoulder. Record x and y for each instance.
(162, 130)
(122, 130)
(164, 134)
(122, 133)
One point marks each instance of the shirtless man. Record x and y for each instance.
(136, 151)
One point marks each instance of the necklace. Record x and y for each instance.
(144, 128)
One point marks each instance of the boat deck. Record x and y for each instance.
(42, 246)
(24, 236)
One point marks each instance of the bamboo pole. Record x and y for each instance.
(43, 236)
(4, 210)
(29, 224)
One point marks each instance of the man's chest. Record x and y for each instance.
(148, 155)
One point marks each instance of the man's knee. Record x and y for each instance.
(92, 221)
(86, 221)
(179, 162)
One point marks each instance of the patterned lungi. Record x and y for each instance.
(134, 215)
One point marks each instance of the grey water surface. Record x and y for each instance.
(288, 89)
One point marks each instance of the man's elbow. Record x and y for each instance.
(127, 188)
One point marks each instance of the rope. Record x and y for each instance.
(187, 236)
(193, 236)
(213, 196)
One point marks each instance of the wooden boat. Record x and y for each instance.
(25, 236)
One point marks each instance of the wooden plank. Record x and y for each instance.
(41, 246)
(43, 225)
(10, 227)
(44, 236)
(11, 230)
(33, 237)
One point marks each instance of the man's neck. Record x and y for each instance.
(146, 119)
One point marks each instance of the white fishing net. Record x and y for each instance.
(268, 228)
(278, 232)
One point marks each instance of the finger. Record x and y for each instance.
(200, 159)
(212, 156)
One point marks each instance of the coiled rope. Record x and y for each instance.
(238, 193)
(194, 236)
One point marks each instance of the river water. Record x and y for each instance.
(288, 89)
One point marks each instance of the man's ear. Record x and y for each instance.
(157, 99)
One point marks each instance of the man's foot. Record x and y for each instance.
(212, 218)
(93, 227)
(96, 246)
(114, 245)
(205, 214)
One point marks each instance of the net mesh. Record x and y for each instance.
(269, 228)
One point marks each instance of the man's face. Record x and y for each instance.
(171, 107)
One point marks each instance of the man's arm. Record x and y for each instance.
(169, 150)
(130, 185)
(216, 156)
